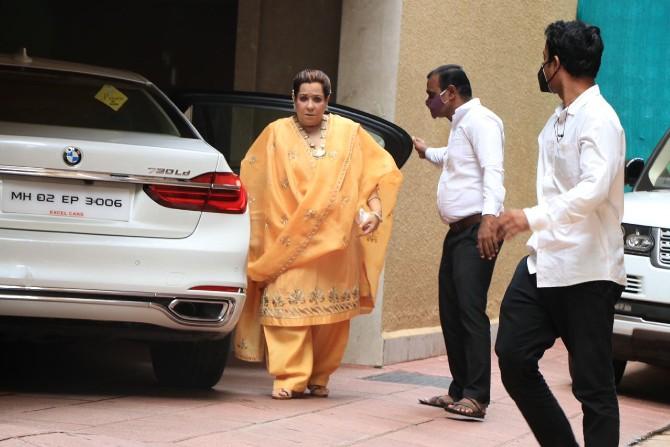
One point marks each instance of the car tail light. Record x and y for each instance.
(217, 288)
(215, 192)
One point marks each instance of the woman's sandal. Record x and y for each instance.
(467, 409)
(438, 401)
(318, 390)
(284, 394)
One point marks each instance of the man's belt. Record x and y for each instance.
(465, 223)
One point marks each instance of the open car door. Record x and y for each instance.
(231, 122)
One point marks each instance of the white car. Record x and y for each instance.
(642, 315)
(116, 218)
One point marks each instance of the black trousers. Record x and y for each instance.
(464, 280)
(582, 315)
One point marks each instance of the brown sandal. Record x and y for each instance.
(318, 390)
(467, 409)
(284, 394)
(438, 401)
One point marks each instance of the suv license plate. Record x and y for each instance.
(66, 200)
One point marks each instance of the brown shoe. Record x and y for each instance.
(438, 401)
(467, 409)
(284, 394)
(318, 390)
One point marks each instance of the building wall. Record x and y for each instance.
(367, 80)
(276, 39)
(500, 46)
(384, 50)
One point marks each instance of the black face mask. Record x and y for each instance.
(542, 79)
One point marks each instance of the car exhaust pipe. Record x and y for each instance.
(201, 311)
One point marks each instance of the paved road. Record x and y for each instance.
(92, 394)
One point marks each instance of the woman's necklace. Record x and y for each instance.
(320, 151)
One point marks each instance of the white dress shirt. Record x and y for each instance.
(472, 164)
(580, 179)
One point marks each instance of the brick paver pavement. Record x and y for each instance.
(88, 398)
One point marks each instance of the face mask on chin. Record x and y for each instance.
(435, 104)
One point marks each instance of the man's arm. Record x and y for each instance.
(488, 144)
(435, 155)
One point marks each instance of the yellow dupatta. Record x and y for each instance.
(303, 209)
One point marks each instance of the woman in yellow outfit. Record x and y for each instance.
(321, 192)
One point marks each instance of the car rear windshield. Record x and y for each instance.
(74, 100)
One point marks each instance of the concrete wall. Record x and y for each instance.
(500, 45)
(276, 39)
(369, 55)
(367, 80)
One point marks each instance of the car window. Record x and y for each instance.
(231, 129)
(72, 100)
(659, 170)
(656, 174)
(231, 122)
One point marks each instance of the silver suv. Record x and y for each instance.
(642, 315)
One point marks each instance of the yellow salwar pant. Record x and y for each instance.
(299, 356)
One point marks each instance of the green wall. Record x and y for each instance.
(635, 71)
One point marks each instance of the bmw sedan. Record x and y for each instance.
(116, 218)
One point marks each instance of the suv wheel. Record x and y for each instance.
(197, 364)
(619, 367)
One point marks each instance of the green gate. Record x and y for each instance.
(635, 72)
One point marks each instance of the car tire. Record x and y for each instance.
(197, 364)
(619, 367)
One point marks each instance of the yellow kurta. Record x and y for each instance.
(308, 262)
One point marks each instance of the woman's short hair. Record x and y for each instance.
(578, 46)
(309, 75)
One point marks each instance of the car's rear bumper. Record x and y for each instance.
(215, 254)
(215, 312)
(89, 277)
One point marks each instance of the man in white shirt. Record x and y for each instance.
(470, 196)
(568, 285)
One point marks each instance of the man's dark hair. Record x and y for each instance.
(578, 46)
(453, 74)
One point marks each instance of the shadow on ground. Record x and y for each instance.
(647, 382)
(82, 368)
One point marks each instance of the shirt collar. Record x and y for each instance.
(463, 109)
(579, 102)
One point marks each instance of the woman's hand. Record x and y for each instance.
(370, 224)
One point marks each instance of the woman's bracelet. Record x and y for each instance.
(371, 198)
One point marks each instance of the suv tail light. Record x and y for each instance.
(215, 192)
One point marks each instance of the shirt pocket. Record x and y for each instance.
(566, 163)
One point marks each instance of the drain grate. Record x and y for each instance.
(411, 378)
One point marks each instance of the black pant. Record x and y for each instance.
(464, 281)
(531, 319)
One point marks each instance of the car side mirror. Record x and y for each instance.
(634, 168)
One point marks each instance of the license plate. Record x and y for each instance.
(66, 200)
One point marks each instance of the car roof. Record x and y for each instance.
(21, 59)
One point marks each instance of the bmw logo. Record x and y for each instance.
(72, 156)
